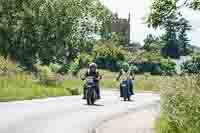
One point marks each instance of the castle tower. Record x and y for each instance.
(122, 26)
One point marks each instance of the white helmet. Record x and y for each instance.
(92, 65)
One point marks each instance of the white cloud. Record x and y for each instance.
(139, 9)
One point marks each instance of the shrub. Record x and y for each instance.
(180, 105)
(167, 67)
(55, 67)
(47, 77)
(153, 63)
(192, 66)
(84, 59)
(108, 56)
(75, 67)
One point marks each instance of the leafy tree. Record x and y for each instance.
(151, 43)
(184, 42)
(43, 29)
(108, 56)
(170, 39)
(161, 10)
(167, 14)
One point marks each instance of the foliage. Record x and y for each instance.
(75, 67)
(170, 39)
(167, 14)
(184, 42)
(46, 76)
(108, 56)
(192, 66)
(44, 29)
(22, 87)
(180, 106)
(85, 59)
(153, 63)
(168, 67)
(152, 43)
(161, 10)
(55, 67)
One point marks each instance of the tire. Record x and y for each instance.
(129, 99)
(88, 98)
(124, 98)
(92, 101)
(93, 97)
(88, 101)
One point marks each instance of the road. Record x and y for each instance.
(69, 114)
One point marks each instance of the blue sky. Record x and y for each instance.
(139, 9)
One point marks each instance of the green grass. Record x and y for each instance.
(180, 106)
(162, 125)
(21, 86)
(142, 82)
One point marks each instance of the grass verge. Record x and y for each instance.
(180, 106)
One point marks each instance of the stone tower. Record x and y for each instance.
(122, 26)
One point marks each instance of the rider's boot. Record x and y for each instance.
(98, 92)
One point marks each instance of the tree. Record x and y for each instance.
(42, 29)
(184, 42)
(151, 43)
(167, 14)
(170, 38)
(161, 10)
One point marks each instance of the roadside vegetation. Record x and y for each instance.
(16, 84)
(180, 106)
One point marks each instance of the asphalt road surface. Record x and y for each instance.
(72, 115)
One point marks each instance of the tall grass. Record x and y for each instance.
(22, 86)
(17, 85)
(180, 106)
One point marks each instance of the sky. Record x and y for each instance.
(139, 9)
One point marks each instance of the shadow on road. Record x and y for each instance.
(97, 105)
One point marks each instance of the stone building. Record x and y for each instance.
(121, 26)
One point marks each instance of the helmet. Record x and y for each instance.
(92, 65)
(125, 67)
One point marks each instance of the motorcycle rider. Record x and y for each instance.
(126, 74)
(92, 72)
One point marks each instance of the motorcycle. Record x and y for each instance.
(91, 95)
(125, 90)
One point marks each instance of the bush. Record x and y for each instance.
(168, 67)
(84, 59)
(154, 63)
(55, 67)
(108, 56)
(46, 76)
(75, 67)
(180, 105)
(192, 66)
